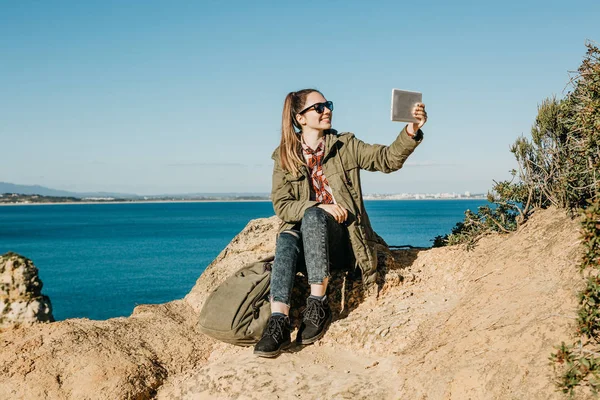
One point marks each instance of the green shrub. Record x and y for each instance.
(579, 364)
(558, 166)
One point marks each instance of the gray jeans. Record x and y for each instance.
(318, 243)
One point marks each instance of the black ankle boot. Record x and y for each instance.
(275, 338)
(316, 319)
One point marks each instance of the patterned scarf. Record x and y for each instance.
(314, 160)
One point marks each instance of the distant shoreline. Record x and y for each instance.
(131, 202)
(430, 198)
(202, 201)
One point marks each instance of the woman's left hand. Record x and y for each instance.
(420, 114)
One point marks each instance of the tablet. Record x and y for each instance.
(403, 104)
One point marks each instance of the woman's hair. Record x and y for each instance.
(290, 155)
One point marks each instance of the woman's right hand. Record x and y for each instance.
(338, 212)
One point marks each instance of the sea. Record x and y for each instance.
(99, 261)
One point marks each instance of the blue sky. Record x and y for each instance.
(172, 97)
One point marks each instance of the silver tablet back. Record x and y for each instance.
(403, 103)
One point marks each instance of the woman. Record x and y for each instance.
(317, 194)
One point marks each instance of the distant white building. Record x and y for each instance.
(98, 198)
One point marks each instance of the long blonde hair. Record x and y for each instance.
(290, 155)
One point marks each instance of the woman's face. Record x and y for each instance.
(311, 118)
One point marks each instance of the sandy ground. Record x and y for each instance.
(449, 324)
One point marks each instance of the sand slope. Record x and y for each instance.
(462, 325)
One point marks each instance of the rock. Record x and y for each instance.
(21, 298)
(122, 358)
(467, 342)
(256, 241)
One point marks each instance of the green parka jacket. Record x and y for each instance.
(345, 156)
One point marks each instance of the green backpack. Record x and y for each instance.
(237, 311)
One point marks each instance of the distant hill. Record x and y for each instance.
(44, 191)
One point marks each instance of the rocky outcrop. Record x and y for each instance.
(255, 242)
(21, 298)
(448, 324)
(122, 358)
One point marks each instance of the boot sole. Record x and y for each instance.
(319, 336)
(271, 354)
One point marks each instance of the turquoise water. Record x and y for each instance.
(101, 260)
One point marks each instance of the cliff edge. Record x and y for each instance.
(448, 324)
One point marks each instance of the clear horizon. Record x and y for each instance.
(231, 193)
(182, 98)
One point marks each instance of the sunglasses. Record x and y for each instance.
(319, 107)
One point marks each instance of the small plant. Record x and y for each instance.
(579, 364)
(503, 216)
(591, 236)
(588, 320)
